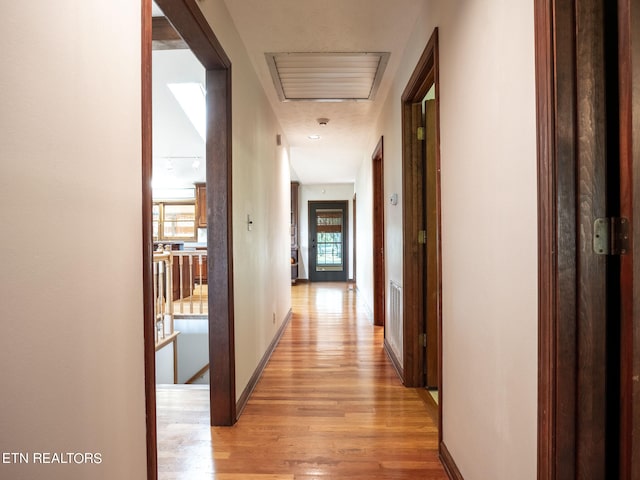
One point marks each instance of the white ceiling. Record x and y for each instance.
(176, 142)
(278, 26)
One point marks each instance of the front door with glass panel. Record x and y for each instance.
(328, 243)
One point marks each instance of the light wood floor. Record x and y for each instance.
(329, 407)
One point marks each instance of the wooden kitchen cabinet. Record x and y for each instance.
(201, 204)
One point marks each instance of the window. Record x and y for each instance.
(174, 221)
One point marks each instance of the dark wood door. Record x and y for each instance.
(593, 335)
(588, 151)
(379, 287)
(432, 226)
(328, 241)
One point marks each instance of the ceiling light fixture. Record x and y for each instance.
(323, 122)
(314, 137)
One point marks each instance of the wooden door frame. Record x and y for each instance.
(629, 73)
(557, 264)
(425, 74)
(379, 277)
(558, 121)
(354, 235)
(147, 243)
(187, 18)
(414, 259)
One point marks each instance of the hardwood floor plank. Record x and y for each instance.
(328, 406)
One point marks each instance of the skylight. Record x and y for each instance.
(327, 77)
(191, 97)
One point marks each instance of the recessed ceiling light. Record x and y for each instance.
(314, 137)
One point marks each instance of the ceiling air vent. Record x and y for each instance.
(327, 77)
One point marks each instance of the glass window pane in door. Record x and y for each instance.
(329, 238)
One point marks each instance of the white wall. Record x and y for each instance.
(193, 347)
(489, 222)
(261, 188)
(364, 236)
(329, 192)
(164, 365)
(70, 210)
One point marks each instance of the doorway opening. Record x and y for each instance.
(422, 285)
(328, 241)
(179, 209)
(379, 276)
(190, 25)
(355, 241)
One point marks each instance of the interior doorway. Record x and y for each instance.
(355, 242)
(328, 241)
(186, 19)
(379, 277)
(422, 284)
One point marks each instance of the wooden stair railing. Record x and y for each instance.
(162, 294)
(191, 268)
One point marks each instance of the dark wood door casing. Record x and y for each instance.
(187, 19)
(147, 243)
(379, 277)
(355, 242)
(629, 85)
(424, 77)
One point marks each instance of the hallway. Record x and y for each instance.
(329, 406)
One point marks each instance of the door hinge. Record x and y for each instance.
(420, 133)
(422, 237)
(423, 339)
(611, 236)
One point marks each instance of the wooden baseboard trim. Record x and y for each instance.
(394, 360)
(253, 381)
(197, 375)
(449, 464)
(301, 280)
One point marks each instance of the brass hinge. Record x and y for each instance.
(420, 133)
(611, 236)
(422, 237)
(423, 339)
